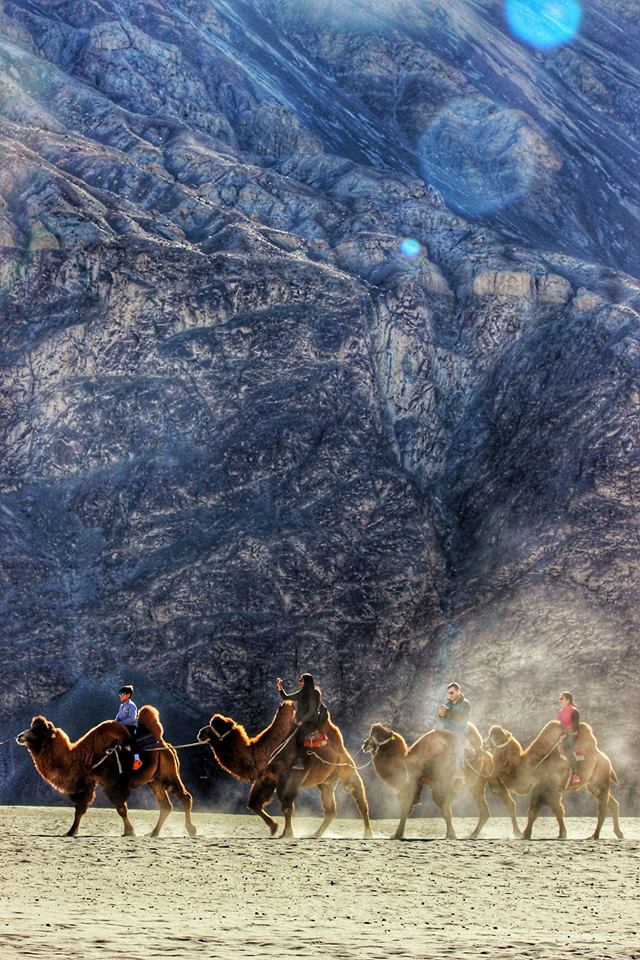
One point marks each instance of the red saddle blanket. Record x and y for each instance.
(316, 739)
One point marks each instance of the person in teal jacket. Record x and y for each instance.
(454, 716)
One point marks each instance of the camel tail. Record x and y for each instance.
(149, 717)
(613, 776)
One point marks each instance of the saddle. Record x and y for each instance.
(145, 740)
(317, 738)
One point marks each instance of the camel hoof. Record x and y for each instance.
(563, 836)
(619, 834)
(397, 836)
(191, 830)
(368, 834)
(72, 833)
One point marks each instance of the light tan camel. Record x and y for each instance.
(543, 772)
(429, 762)
(408, 769)
(479, 774)
(103, 757)
(252, 759)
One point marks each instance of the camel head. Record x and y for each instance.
(39, 735)
(379, 735)
(218, 728)
(498, 737)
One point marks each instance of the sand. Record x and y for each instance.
(232, 892)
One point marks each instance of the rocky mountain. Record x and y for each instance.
(319, 350)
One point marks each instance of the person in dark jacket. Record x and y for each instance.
(454, 716)
(310, 712)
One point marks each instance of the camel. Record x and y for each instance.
(543, 772)
(103, 757)
(430, 761)
(479, 773)
(425, 763)
(251, 759)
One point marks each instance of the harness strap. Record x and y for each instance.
(281, 747)
(108, 753)
(177, 746)
(333, 763)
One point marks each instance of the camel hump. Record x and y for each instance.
(473, 736)
(149, 717)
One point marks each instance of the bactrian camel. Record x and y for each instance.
(75, 769)
(252, 759)
(543, 772)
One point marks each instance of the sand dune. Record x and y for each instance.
(234, 893)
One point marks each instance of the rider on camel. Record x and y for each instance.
(310, 714)
(454, 716)
(569, 717)
(128, 716)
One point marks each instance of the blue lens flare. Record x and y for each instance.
(410, 247)
(544, 24)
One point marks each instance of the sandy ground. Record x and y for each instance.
(232, 892)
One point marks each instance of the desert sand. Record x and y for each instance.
(233, 892)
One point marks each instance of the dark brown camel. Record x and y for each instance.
(544, 773)
(75, 769)
(251, 759)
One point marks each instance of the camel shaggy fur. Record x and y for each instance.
(543, 772)
(479, 774)
(430, 761)
(426, 763)
(252, 759)
(76, 768)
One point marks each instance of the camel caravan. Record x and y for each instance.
(303, 748)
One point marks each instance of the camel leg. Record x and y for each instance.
(442, 800)
(602, 796)
(407, 797)
(536, 803)
(510, 806)
(352, 783)
(557, 807)
(328, 794)
(614, 810)
(164, 803)
(81, 801)
(118, 797)
(287, 793)
(178, 789)
(478, 792)
(260, 795)
(405, 810)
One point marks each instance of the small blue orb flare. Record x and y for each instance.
(409, 247)
(544, 24)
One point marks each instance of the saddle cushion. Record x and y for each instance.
(316, 739)
(147, 741)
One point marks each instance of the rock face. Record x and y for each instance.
(244, 434)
